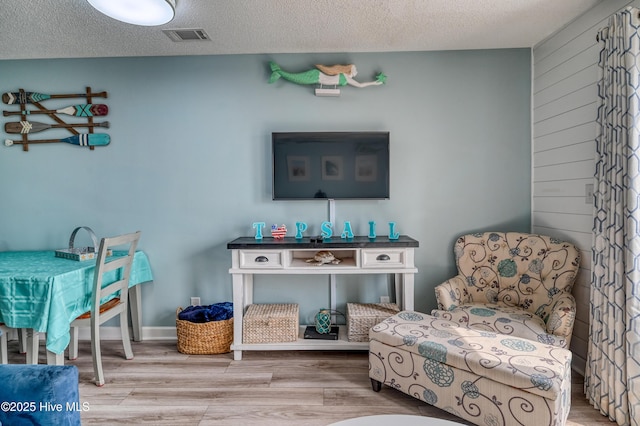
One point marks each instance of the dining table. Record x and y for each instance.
(43, 293)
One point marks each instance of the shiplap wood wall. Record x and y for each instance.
(564, 113)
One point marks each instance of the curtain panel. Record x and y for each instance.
(612, 376)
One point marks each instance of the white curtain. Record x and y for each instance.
(612, 377)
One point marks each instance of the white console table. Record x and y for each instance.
(359, 255)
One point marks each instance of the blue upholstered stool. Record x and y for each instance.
(39, 395)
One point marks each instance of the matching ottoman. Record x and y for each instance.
(483, 377)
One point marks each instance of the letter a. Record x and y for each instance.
(346, 231)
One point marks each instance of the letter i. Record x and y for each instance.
(372, 229)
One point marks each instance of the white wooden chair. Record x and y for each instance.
(116, 295)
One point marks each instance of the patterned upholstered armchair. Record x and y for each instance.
(513, 283)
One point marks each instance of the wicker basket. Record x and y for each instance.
(206, 338)
(271, 323)
(362, 316)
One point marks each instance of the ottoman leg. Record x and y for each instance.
(376, 385)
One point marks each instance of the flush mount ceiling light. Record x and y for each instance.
(137, 12)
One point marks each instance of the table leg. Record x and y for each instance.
(332, 298)
(55, 359)
(407, 292)
(238, 311)
(32, 346)
(135, 308)
(396, 288)
(248, 291)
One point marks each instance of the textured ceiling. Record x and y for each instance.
(73, 29)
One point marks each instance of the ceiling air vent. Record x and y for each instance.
(186, 35)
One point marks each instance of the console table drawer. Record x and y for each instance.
(254, 259)
(383, 258)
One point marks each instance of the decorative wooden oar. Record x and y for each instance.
(80, 110)
(11, 98)
(34, 126)
(85, 139)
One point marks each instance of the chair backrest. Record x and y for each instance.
(516, 269)
(114, 269)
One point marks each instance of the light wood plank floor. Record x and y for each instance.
(161, 386)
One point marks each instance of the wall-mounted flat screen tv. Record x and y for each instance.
(330, 165)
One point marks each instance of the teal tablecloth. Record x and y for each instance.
(45, 293)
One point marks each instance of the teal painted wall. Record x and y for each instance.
(189, 162)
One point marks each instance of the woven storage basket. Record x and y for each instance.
(271, 323)
(205, 338)
(362, 316)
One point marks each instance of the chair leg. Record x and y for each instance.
(73, 343)
(135, 309)
(124, 331)
(376, 385)
(96, 353)
(4, 355)
(22, 340)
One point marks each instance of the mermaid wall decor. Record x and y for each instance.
(323, 75)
